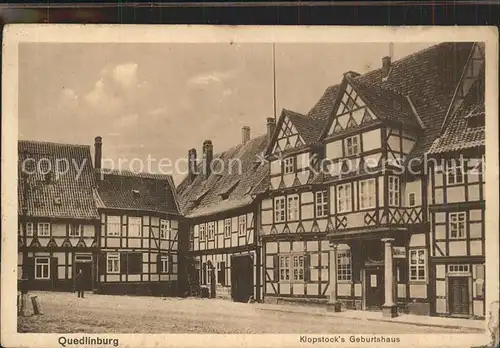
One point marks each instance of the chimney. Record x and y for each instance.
(191, 165)
(98, 152)
(208, 154)
(271, 125)
(245, 135)
(386, 66)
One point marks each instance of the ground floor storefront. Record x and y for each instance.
(229, 273)
(387, 271)
(56, 268)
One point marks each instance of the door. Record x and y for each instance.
(86, 268)
(241, 278)
(374, 280)
(459, 296)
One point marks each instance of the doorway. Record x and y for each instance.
(459, 296)
(374, 280)
(241, 277)
(84, 263)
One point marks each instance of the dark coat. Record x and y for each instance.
(79, 281)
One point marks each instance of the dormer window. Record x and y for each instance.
(227, 191)
(57, 201)
(352, 145)
(288, 165)
(136, 193)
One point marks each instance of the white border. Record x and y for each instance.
(14, 34)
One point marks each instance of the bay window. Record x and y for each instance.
(367, 194)
(344, 198)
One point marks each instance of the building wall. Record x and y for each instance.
(142, 271)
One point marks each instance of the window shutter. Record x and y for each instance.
(170, 264)
(307, 268)
(480, 285)
(102, 263)
(222, 274)
(30, 267)
(123, 262)
(204, 274)
(158, 264)
(276, 268)
(53, 270)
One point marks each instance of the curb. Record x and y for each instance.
(445, 326)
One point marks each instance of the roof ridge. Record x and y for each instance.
(52, 143)
(126, 172)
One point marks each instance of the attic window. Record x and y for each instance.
(227, 191)
(199, 197)
(57, 200)
(136, 193)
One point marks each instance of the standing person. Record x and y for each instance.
(79, 284)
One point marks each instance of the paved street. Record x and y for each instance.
(64, 312)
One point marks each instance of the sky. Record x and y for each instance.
(158, 100)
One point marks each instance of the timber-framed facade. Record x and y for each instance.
(353, 214)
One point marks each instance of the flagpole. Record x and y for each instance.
(274, 83)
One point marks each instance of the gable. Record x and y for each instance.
(351, 112)
(288, 137)
(470, 75)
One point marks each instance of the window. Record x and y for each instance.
(211, 230)
(242, 225)
(134, 226)
(113, 226)
(227, 228)
(344, 198)
(457, 225)
(291, 267)
(42, 268)
(454, 172)
(279, 209)
(322, 203)
(43, 229)
(393, 191)
(417, 264)
(164, 264)
(458, 268)
(203, 232)
(284, 268)
(288, 165)
(113, 262)
(298, 267)
(293, 207)
(351, 146)
(75, 230)
(344, 269)
(367, 194)
(29, 229)
(164, 229)
(411, 199)
(221, 273)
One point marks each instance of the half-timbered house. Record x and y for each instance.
(58, 218)
(350, 226)
(139, 219)
(456, 200)
(221, 216)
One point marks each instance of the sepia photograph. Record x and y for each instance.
(332, 189)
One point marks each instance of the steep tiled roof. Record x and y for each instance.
(136, 191)
(66, 192)
(308, 128)
(386, 104)
(458, 135)
(429, 77)
(203, 196)
(324, 107)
